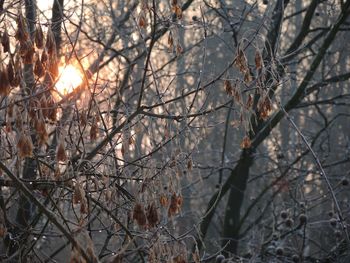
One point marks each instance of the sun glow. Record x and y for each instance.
(68, 79)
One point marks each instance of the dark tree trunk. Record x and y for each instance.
(234, 202)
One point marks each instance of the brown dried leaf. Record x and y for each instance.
(41, 132)
(50, 43)
(4, 82)
(39, 70)
(27, 51)
(139, 215)
(249, 102)
(142, 21)
(190, 164)
(228, 87)
(258, 60)
(241, 61)
(246, 143)
(61, 152)
(175, 204)
(39, 37)
(22, 32)
(152, 215)
(247, 77)
(5, 41)
(177, 11)
(93, 130)
(24, 146)
(179, 49)
(52, 109)
(78, 194)
(170, 41)
(163, 200)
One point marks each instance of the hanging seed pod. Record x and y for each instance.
(24, 146)
(19, 120)
(179, 49)
(177, 11)
(10, 110)
(152, 215)
(32, 108)
(44, 58)
(249, 102)
(170, 41)
(21, 33)
(4, 82)
(175, 204)
(258, 60)
(52, 109)
(41, 132)
(5, 41)
(247, 77)
(83, 205)
(10, 72)
(39, 37)
(50, 43)
(142, 21)
(83, 118)
(27, 51)
(241, 61)
(93, 130)
(61, 152)
(139, 215)
(52, 67)
(228, 87)
(163, 200)
(246, 143)
(39, 70)
(189, 164)
(17, 67)
(78, 193)
(43, 107)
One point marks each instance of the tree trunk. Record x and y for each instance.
(234, 202)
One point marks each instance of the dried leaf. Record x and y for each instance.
(249, 102)
(25, 146)
(39, 70)
(61, 152)
(152, 215)
(179, 49)
(21, 33)
(190, 164)
(246, 143)
(78, 194)
(5, 41)
(170, 41)
(39, 37)
(4, 82)
(93, 130)
(41, 132)
(177, 11)
(228, 87)
(258, 60)
(241, 61)
(175, 204)
(163, 200)
(27, 51)
(139, 215)
(50, 43)
(142, 21)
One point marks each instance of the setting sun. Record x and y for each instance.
(69, 78)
